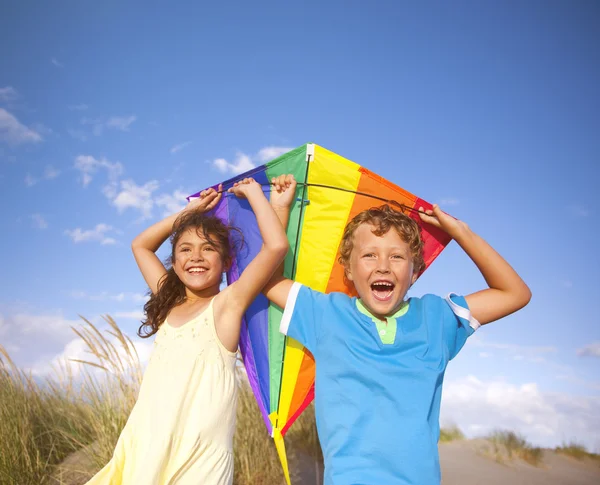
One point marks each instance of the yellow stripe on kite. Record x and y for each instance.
(323, 224)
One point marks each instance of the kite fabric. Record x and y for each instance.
(331, 191)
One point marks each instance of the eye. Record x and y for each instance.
(397, 256)
(369, 255)
(183, 250)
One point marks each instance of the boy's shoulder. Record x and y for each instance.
(428, 303)
(334, 299)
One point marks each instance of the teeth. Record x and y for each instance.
(196, 270)
(383, 283)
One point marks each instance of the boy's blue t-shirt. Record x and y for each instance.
(378, 405)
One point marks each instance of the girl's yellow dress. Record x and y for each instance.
(180, 431)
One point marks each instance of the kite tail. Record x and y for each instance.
(280, 445)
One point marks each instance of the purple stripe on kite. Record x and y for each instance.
(257, 173)
(222, 212)
(248, 354)
(241, 215)
(254, 330)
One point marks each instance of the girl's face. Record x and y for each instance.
(197, 262)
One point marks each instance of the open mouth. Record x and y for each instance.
(382, 290)
(196, 270)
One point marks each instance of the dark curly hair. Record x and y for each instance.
(171, 291)
(384, 218)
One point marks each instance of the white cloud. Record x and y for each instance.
(98, 234)
(449, 201)
(50, 172)
(172, 203)
(35, 334)
(579, 211)
(244, 162)
(77, 134)
(105, 296)
(134, 196)
(180, 146)
(133, 315)
(96, 123)
(267, 154)
(78, 107)
(38, 221)
(15, 133)
(591, 350)
(121, 122)
(518, 351)
(30, 180)
(77, 349)
(8, 94)
(544, 418)
(88, 166)
(56, 63)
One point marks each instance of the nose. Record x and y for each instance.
(383, 266)
(197, 256)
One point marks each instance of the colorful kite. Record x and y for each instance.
(331, 190)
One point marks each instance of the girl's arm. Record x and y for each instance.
(507, 292)
(282, 197)
(145, 245)
(237, 297)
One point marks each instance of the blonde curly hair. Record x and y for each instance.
(384, 218)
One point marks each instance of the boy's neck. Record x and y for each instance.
(400, 310)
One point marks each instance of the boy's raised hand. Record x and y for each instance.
(438, 218)
(208, 199)
(283, 192)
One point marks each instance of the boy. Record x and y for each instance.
(380, 360)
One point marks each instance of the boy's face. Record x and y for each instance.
(381, 269)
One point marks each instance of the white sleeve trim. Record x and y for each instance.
(289, 307)
(462, 312)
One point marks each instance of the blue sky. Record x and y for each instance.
(110, 114)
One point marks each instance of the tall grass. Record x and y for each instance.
(80, 412)
(577, 451)
(39, 425)
(508, 445)
(451, 433)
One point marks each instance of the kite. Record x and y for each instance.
(331, 190)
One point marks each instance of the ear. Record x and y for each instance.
(348, 273)
(227, 265)
(413, 279)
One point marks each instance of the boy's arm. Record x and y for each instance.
(145, 245)
(282, 197)
(507, 292)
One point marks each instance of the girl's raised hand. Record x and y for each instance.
(208, 199)
(241, 188)
(438, 218)
(283, 192)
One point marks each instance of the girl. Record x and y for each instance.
(180, 431)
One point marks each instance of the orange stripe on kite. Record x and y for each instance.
(304, 382)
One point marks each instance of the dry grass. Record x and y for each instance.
(64, 430)
(451, 433)
(40, 424)
(577, 451)
(508, 445)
